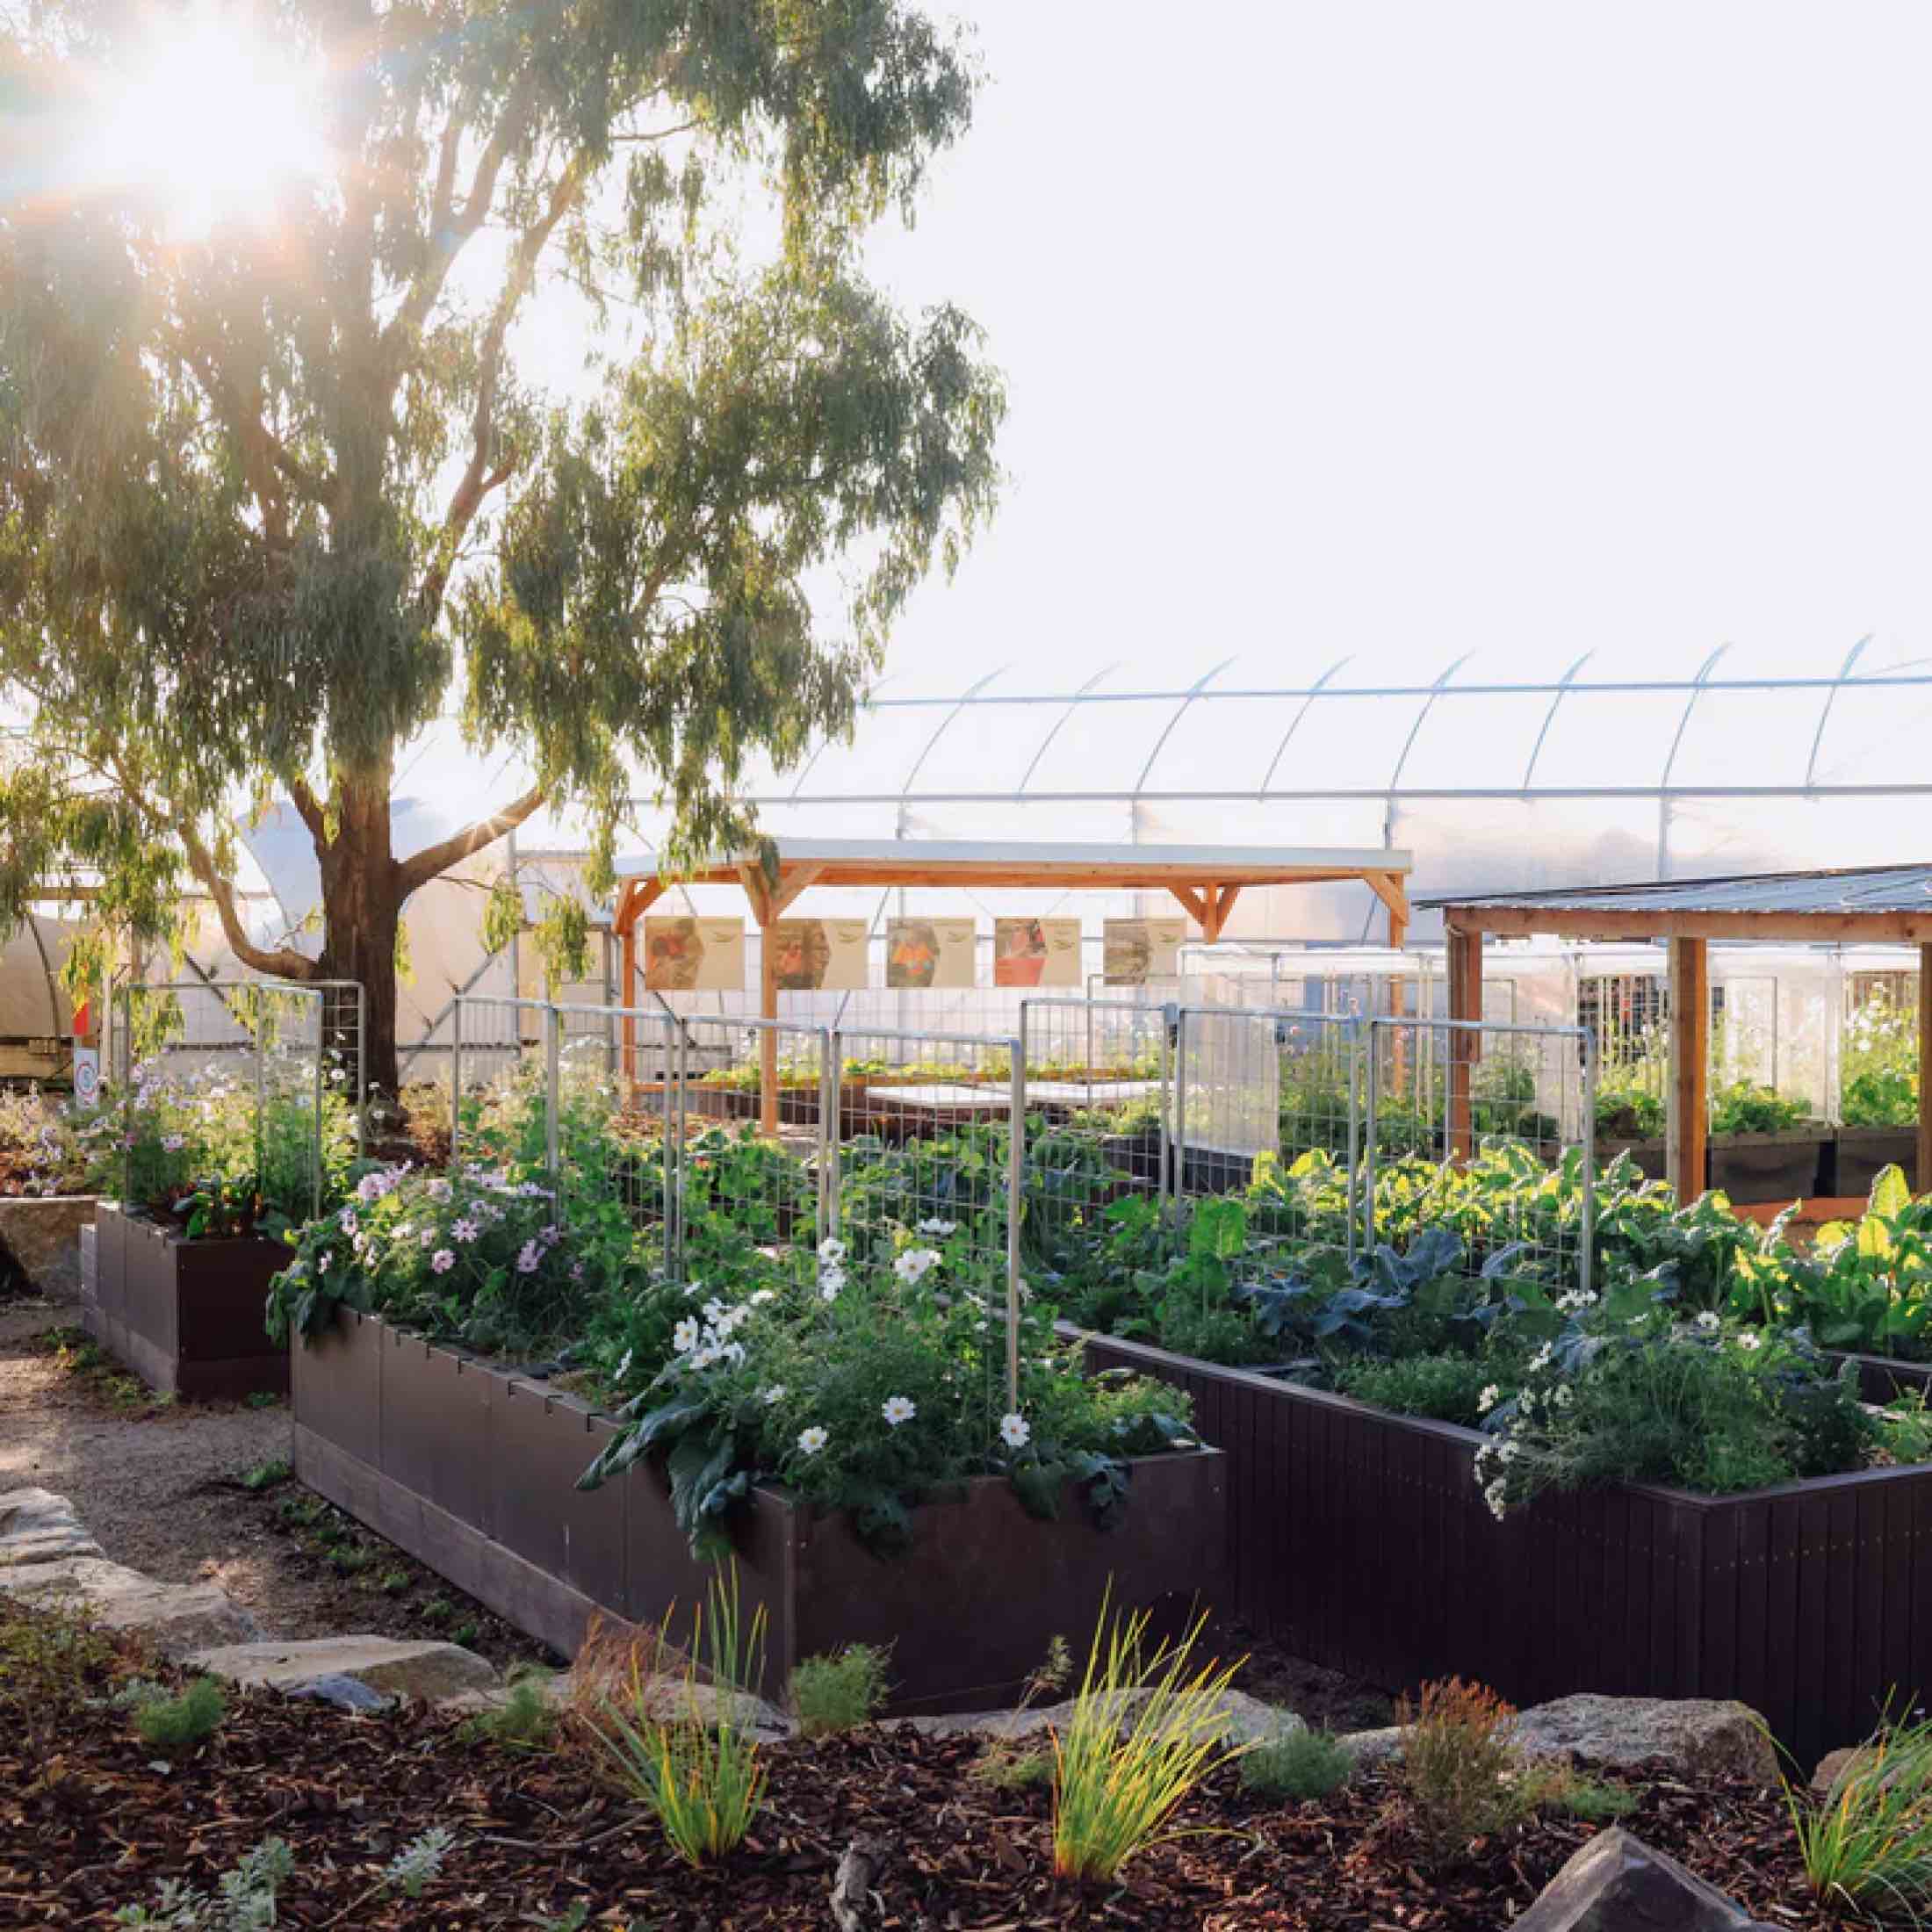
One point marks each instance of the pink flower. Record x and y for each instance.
(442, 1261)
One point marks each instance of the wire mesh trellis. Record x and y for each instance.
(613, 1100)
(929, 1159)
(224, 1085)
(502, 1081)
(1491, 1129)
(786, 1191)
(1097, 1086)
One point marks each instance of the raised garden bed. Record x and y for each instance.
(1359, 1539)
(1862, 1153)
(186, 1316)
(472, 1470)
(1648, 1156)
(1759, 1167)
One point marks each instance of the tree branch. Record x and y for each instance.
(421, 867)
(305, 803)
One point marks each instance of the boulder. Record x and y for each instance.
(42, 1233)
(1699, 1738)
(37, 1526)
(1617, 1884)
(175, 1618)
(1242, 1719)
(1371, 1748)
(386, 1667)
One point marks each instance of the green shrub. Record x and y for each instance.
(1597, 1803)
(1458, 1771)
(526, 1720)
(1447, 1386)
(266, 1475)
(840, 1691)
(1297, 1764)
(1867, 1842)
(179, 1723)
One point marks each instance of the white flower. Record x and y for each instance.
(704, 1358)
(1014, 1431)
(1493, 1496)
(1543, 1356)
(898, 1409)
(812, 1440)
(939, 1229)
(1561, 1395)
(762, 1296)
(1707, 1322)
(913, 1266)
(322, 1261)
(348, 1219)
(712, 1309)
(442, 1260)
(684, 1336)
(429, 1237)
(1487, 1400)
(774, 1395)
(1751, 1339)
(832, 1250)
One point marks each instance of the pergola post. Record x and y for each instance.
(1690, 1063)
(1924, 1179)
(1464, 1004)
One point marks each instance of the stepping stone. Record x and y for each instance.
(37, 1526)
(433, 1673)
(176, 1617)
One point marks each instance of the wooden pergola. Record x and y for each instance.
(1878, 903)
(1205, 879)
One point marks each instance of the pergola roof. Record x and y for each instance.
(1890, 902)
(934, 862)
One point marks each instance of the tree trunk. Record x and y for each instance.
(360, 915)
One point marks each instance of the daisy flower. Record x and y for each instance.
(1015, 1431)
(898, 1409)
(812, 1440)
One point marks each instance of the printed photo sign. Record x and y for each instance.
(689, 955)
(1140, 950)
(1037, 952)
(818, 955)
(936, 954)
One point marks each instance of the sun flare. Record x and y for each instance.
(212, 119)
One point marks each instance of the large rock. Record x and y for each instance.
(1616, 1884)
(433, 1673)
(42, 1233)
(1240, 1720)
(1699, 1738)
(37, 1526)
(175, 1618)
(1696, 1738)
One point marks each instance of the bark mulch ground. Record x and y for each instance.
(91, 1819)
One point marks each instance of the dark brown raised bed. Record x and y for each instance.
(1753, 1168)
(1359, 1540)
(472, 1470)
(1648, 1155)
(1865, 1152)
(186, 1316)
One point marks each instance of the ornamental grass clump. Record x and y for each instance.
(1145, 1731)
(841, 1691)
(1867, 1842)
(697, 1767)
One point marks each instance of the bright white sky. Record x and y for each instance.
(1408, 329)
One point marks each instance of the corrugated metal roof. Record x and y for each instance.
(1875, 890)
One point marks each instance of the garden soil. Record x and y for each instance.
(158, 1485)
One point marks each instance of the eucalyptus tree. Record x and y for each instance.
(281, 486)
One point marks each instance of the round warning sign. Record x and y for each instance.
(87, 1073)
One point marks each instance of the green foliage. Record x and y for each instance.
(1447, 1386)
(1867, 1842)
(179, 1723)
(525, 1721)
(1597, 1803)
(698, 1770)
(1116, 1784)
(245, 1899)
(257, 529)
(1878, 1065)
(840, 1691)
(1743, 1107)
(1298, 1764)
(265, 1476)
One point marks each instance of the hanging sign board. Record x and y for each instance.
(684, 955)
(87, 1074)
(937, 953)
(1037, 952)
(819, 956)
(1140, 950)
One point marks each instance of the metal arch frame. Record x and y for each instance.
(1422, 718)
(1831, 698)
(1053, 731)
(1180, 711)
(1698, 686)
(946, 724)
(1287, 736)
(1563, 688)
